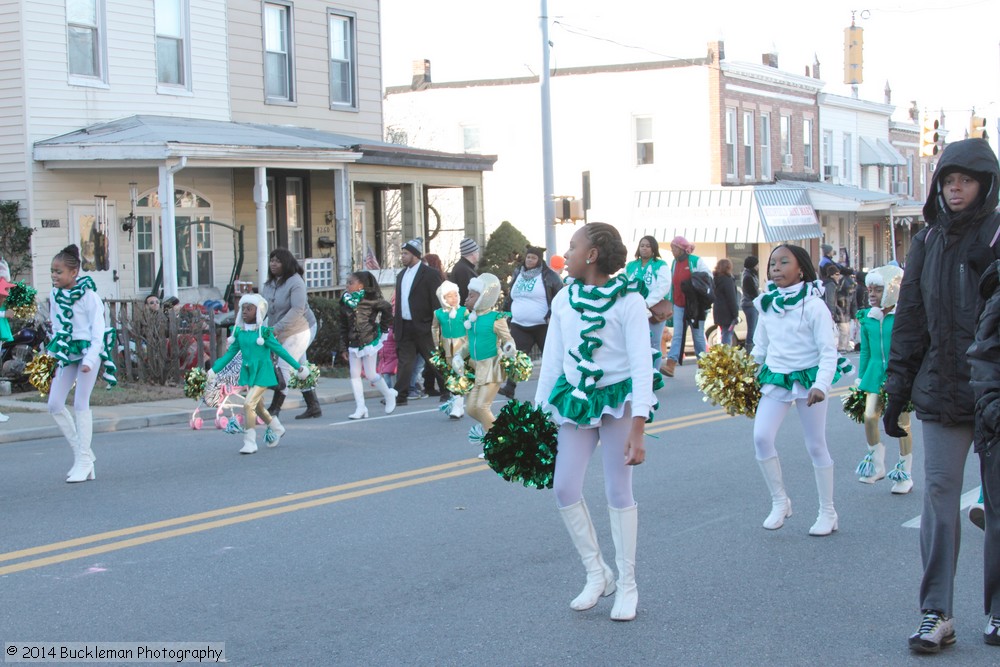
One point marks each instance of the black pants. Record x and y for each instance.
(989, 470)
(526, 337)
(409, 341)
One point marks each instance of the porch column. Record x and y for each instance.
(260, 202)
(168, 224)
(344, 211)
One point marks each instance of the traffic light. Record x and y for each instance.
(929, 138)
(569, 209)
(977, 128)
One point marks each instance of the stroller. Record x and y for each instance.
(225, 394)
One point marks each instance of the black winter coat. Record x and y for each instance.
(423, 300)
(939, 301)
(726, 309)
(362, 325)
(699, 290)
(984, 363)
(461, 274)
(751, 288)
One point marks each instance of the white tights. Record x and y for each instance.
(577, 445)
(770, 414)
(63, 381)
(367, 362)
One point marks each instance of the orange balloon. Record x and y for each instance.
(557, 263)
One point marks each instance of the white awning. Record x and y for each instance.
(879, 152)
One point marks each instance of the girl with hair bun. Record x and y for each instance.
(597, 381)
(82, 345)
(364, 320)
(797, 354)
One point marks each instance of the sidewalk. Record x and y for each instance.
(37, 423)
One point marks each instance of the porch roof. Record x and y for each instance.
(153, 140)
(830, 197)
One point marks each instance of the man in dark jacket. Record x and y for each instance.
(465, 268)
(984, 361)
(416, 301)
(935, 321)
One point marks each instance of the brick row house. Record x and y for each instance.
(150, 133)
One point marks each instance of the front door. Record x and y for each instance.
(98, 247)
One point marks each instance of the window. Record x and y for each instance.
(765, 146)
(278, 79)
(343, 91)
(85, 38)
(828, 148)
(294, 214)
(145, 247)
(171, 42)
(193, 237)
(643, 140)
(286, 207)
(786, 136)
(731, 143)
(748, 144)
(845, 168)
(807, 142)
(470, 139)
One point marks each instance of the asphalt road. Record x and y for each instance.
(386, 542)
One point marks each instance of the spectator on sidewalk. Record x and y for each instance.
(726, 309)
(751, 288)
(464, 269)
(416, 301)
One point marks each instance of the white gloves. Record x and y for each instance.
(302, 373)
(210, 376)
(458, 363)
(509, 349)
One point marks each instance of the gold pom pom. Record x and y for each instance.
(41, 370)
(727, 376)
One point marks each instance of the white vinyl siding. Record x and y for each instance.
(12, 113)
(343, 61)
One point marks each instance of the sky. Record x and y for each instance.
(945, 54)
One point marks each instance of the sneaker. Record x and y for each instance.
(992, 633)
(977, 515)
(416, 395)
(936, 631)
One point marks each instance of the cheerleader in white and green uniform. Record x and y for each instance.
(797, 351)
(82, 345)
(597, 381)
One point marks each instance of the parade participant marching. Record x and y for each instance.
(489, 337)
(364, 318)
(256, 343)
(6, 335)
(82, 345)
(597, 380)
(876, 335)
(450, 335)
(650, 269)
(797, 353)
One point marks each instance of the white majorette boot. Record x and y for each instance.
(83, 469)
(600, 578)
(826, 522)
(249, 441)
(388, 393)
(273, 433)
(781, 504)
(64, 420)
(900, 474)
(872, 467)
(624, 531)
(357, 386)
(457, 408)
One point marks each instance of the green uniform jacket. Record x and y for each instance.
(876, 336)
(483, 336)
(257, 369)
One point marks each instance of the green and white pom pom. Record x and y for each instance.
(867, 466)
(233, 426)
(311, 380)
(269, 435)
(476, 435)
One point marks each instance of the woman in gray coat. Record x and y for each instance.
(294, 323)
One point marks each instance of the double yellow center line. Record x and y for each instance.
(125, 538)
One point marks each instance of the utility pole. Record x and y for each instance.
(548, 181)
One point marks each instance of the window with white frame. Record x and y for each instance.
(765, 146)
(85, 38)
(748, 144)
(846, 159)
(807, 143)
(192, 235)
(785, 129)
(171, 42)
(730, 143)
(828, 148)
(279, 82)
(343, 59)
(145, 249)
(643, 140)
(470, 139)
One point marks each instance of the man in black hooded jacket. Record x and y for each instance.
(935, 324)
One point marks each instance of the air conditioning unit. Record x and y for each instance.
(899, 188)
(786, 160)
(831, 172)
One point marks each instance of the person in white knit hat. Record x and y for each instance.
(256, 343)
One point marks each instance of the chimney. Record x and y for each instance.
(421, 74)
(888, 93)
(718, 50)
(816, 67)
(770, 59)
